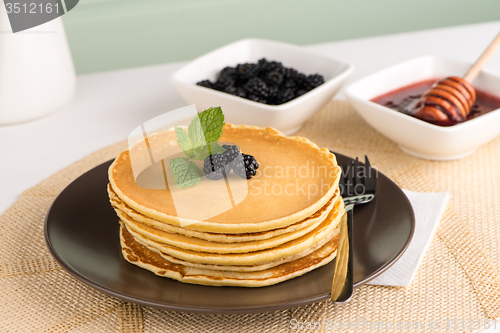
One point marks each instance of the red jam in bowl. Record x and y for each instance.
(402, 98)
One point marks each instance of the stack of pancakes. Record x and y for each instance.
(287, 223)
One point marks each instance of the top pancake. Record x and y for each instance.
(294, 180)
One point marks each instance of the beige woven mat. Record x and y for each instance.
(456, 289)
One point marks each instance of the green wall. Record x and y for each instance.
(113, 34)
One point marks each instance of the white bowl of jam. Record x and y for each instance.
(381, 100)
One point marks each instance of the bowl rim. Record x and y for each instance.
(428, 126)
(349, 68)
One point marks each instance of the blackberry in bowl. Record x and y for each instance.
(267, 82)
(287, 93)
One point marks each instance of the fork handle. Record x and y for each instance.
(342, 285)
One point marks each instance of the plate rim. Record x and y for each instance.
(215, 310)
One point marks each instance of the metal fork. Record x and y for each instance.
(358, 186)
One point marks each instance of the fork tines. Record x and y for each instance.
(358, 180)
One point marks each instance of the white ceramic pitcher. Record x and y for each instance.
(37, 76)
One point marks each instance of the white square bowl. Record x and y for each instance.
(287, 117)
(417, 137)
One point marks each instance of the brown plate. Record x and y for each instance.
(81, 232)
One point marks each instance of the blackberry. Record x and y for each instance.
(289, 83)
(273, 78)
(256, 86)
(312, 81)
(215, 166)
(289, 72)
(247, 71)
(240, 92)
(228, 72)
(285, 95)
(230, 90)
(231, 152)
(270, 66)
(300, 79)
(206, 84)
(256, 98)
(262, 63)
(246, 168)
(273, 94)
(223, 82)
(300, 92)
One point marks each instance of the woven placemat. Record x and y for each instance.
(456, 289)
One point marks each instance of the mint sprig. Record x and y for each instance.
(200, 139)
(212, 121)
(197, 142)
(186, 172)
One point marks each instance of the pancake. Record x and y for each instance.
(123, 210)
(324, 232)
(239, 268)
(294, 163)
(140, 255)
(201, 245)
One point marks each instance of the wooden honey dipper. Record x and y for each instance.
(452, 98)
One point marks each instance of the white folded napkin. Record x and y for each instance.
(428, 208)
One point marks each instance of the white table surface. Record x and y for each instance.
(108, 106)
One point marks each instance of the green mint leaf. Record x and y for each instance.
(199, 153)
(184, 141)
(212, 121)
(186, 173)
(196, 133)
(204, 131)
(202, 154)
(216, 148)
